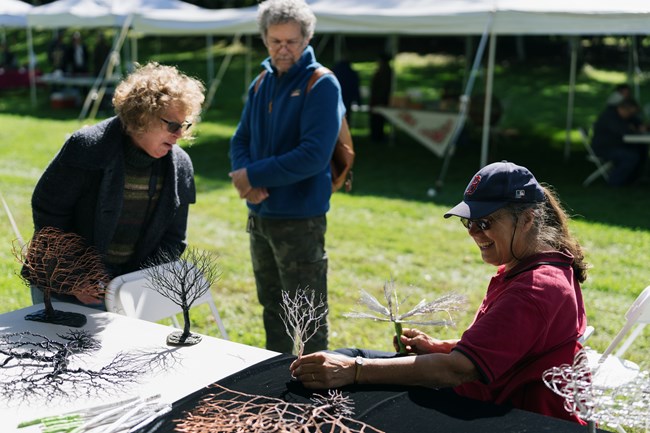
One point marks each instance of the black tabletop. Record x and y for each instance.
(393, 409)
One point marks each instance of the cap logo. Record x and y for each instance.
(473, 185)
(520, 193)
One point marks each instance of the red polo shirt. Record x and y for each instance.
(528, 322)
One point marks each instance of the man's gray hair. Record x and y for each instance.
(272, 12)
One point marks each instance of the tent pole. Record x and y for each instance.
(31, 64)
(209, 43)
(134, 48)
(322, 44)
(485, 141)
(96, 93)
(636, 70)
(464, 101)
(248, 75)
(214, 85)
(469, 47)
(337, 48)
(571, 100)
(394, 49)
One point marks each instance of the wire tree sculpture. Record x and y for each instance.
(228, 411)
(625, 405)
(302, 316)
(391, 311)
(62, 263)
(183, 282)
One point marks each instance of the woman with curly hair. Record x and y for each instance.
(124, 184)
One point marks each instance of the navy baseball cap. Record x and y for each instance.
(495, 186)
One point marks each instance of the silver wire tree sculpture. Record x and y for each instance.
(627, 404)
(183, 282)
(302, 316)
(228, 411)
(60, 262)
(391, 311)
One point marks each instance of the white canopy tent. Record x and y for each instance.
(469, 17)
(100, 13)
(13, 13)
(97, 13)
(374, 17)
(442, 17)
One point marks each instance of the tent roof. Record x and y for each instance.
(425, 17)
(572, 17)
(415, 17)
(198, 22)
(13, 13)
(97, 13)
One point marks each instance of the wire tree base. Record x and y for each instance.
(176, 339)
(65, 318)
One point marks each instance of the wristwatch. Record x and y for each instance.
(358, 363)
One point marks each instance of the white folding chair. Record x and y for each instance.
(613, 370)
(132, 295)
(637, 316)
(602, 167)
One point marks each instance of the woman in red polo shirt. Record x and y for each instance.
(529, 320)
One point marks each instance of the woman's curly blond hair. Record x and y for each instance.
(142, 97)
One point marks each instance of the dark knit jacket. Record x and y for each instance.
(82, 192)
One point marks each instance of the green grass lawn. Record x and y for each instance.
(387, 227)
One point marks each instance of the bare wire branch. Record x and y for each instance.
(302, 316)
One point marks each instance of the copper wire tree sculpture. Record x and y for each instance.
(60, 262)
(228, 411)
(183, 282)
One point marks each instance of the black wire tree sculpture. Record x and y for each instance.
(59, 262)
(183, 282)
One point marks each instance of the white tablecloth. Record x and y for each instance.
(187, 370)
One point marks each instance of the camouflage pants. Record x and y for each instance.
(288, 255)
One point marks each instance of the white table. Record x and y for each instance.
(74, 80)
(637, 138)
(194, 367)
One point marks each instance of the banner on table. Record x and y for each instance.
(431, 128)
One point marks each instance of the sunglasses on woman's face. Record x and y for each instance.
(482, 223)
(173, 127)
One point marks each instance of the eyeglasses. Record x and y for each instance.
(482, 223)
(173, 127)
(291, 44)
